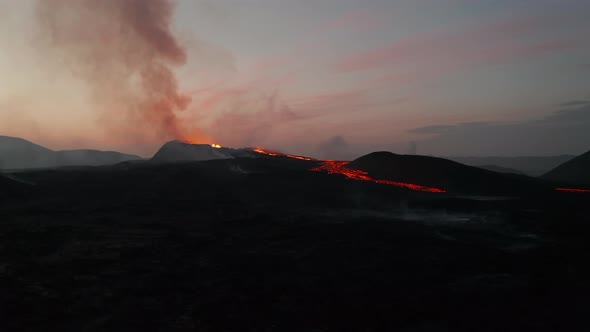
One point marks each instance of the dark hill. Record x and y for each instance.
(442, 173)
(575, 171)
(17, 153)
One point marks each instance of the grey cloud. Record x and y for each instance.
(565, 131)
(575, 103)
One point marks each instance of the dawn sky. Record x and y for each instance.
(331, 78)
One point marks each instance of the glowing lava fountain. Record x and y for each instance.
(337, 167)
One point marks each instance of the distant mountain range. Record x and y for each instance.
(533, 166)
(575, 171)
(17, 153)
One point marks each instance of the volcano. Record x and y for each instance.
(442, 173)
(575, 171)
(179, 151)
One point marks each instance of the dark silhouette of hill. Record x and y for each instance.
(17, 153)
(442, 173)
(177, 151)
(575, 171)
(532, 166)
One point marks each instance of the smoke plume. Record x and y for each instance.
(125, 51)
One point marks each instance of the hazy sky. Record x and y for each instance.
(334, 78)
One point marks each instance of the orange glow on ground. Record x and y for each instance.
(216, 146)
(337, 167)
(573, 190)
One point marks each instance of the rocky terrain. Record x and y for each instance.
(264, 244)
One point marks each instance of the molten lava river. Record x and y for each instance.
(337, 167)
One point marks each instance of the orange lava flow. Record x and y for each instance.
(276, 154)
(337, 167)
(573, 190)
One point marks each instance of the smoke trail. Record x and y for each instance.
(125, 51)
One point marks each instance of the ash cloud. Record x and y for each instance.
(125, 51)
